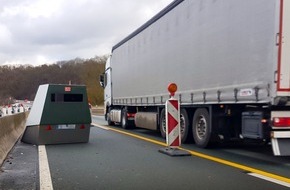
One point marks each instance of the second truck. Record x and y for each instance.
(230, 60)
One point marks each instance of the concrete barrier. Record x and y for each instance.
(97, 110)
(11, 128)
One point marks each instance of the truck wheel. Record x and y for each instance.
(201, 127)
(109, 118)
(124, 119)
(106, 115)
(163, 123)
(184, 125)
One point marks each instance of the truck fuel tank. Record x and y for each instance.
(147, 120)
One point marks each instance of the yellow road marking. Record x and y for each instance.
(212, 158)
(239, 166)
(139, 137)
(100, 126)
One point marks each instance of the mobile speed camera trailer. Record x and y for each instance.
(230, 60)
(60, 114)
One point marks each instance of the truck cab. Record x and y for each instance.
(106, 83)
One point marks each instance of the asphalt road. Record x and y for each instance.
(122, 159)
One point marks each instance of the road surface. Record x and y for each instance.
(130, 159)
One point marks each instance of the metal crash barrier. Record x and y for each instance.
(60, 114)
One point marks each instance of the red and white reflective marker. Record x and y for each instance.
(172, 115)
(172, 111)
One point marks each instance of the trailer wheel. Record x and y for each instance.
(163, 123)
(184, 124)
(201, 128)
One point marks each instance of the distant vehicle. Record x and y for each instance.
(230, 60)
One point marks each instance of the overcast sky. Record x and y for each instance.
(39, 32)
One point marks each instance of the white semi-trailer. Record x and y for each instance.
(230, 60)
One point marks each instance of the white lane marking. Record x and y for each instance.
(45, 182)
(270, 179)
(102, 127)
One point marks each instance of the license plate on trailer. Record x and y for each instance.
(69, 126)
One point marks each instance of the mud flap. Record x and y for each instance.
(281, 143)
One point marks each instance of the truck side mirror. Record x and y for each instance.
(101, 79)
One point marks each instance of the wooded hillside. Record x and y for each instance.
(21, 82)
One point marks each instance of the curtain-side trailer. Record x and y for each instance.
(230, 60)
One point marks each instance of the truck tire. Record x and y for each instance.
(184, 125)
(109, 118)
(106, 116)
(201, 128)
(163, 123)
(124, 119)
(109, 121)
